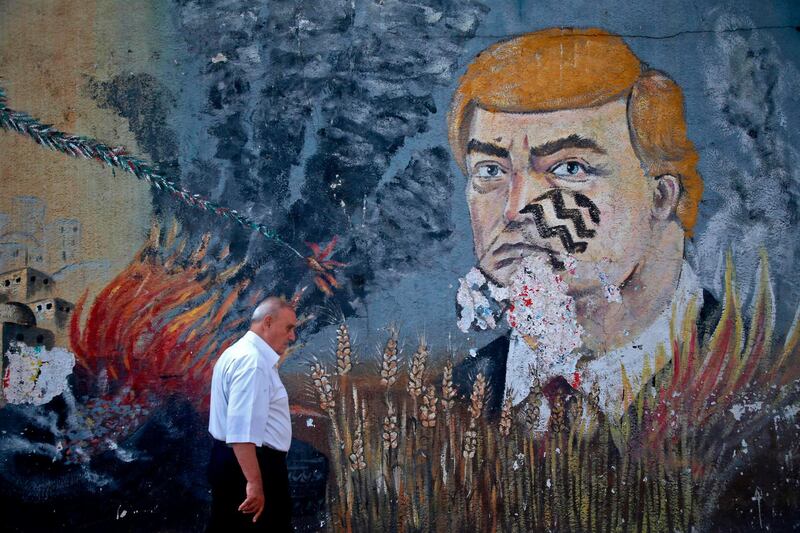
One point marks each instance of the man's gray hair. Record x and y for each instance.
(269, 307)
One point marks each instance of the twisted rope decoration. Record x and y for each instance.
(116, 156)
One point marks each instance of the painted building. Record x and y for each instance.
(53, 312)
(64, 240)
(13, 255)
(28, 215)
(25, 284)
(19, 324)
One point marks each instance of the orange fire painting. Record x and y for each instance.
(157, 328)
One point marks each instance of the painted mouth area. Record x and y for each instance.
(518, 250)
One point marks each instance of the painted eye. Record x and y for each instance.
(489, 171)
(570, 169)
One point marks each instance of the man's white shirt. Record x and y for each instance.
(248, 400)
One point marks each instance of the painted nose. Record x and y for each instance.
(522, 189)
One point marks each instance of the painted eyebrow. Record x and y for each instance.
(475, 145)
(573, 141)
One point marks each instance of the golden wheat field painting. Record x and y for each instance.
(536, 265)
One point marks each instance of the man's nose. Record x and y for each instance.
(522, 189)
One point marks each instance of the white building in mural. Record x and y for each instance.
(13, 255)
(63, 242)
(27, 241)
(28, 216)
(29, 249)
(34, 291)
(25, 285)
(52, 313)
(18, 323)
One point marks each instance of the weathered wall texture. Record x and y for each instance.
(526, 318)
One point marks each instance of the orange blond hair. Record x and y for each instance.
(565, 68)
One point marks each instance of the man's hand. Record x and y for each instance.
(254, 502)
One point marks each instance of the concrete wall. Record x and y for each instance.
(327, 123)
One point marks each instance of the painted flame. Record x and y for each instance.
(158, 327)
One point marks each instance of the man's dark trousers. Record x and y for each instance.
(228, 492)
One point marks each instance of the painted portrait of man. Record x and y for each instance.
(582, 189)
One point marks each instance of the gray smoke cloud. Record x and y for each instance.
(756, 194)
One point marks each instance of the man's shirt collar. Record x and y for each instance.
(264, 350)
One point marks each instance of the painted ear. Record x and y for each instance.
(666, 196)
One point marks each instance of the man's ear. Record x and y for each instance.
(666, 196)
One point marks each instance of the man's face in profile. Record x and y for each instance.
(564, 184)
(280, 329)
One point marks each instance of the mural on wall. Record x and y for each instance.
(544, 262)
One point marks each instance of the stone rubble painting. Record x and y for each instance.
(543, 256)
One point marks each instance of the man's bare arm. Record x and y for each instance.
(246, 456)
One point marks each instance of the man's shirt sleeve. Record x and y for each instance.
(248, 403)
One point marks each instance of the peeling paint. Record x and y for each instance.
(541, 309)
(36, 375)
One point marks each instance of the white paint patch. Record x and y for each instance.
(36, 375)
(611, 291)
(219, 58)
(570, 264)
(739, 409)
(475, 308)
(790, 411)
(499, 294)
(541, 309)
(304, 24)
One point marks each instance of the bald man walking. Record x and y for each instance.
(250, 423)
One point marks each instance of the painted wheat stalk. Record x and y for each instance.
(448, 390)
(416, 372)
(389, 367)
(323, 386)
(557, 421)
(505, 414)
(325, 394)
(427, 411)
(343, 350)
(470, 443)
(532, 409)
(476, 400)
(477, 397)
(390, 434)
(357, 449)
